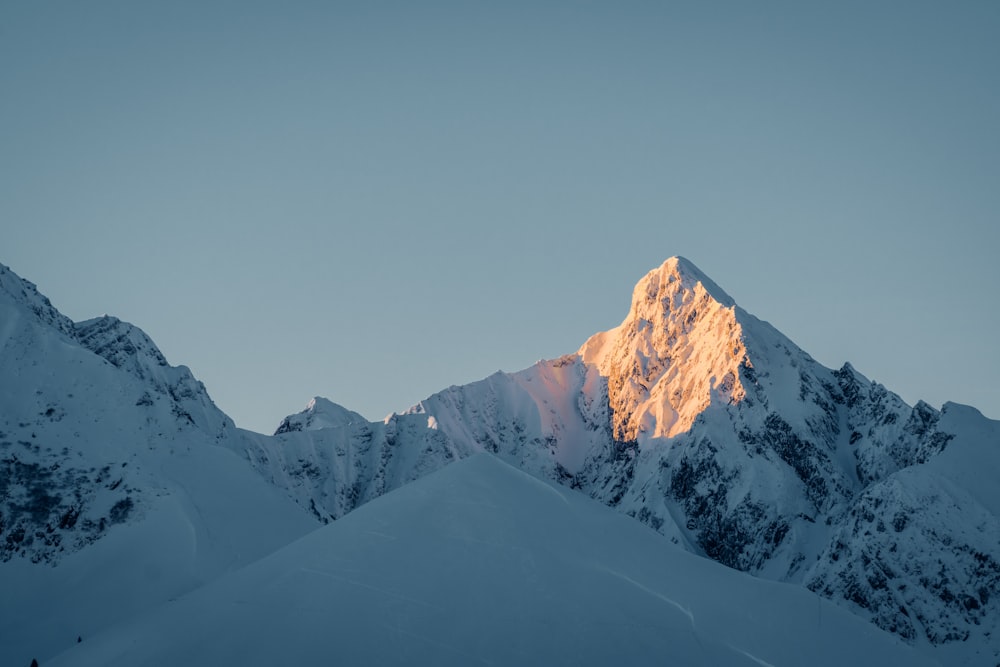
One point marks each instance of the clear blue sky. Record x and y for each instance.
(371, 201)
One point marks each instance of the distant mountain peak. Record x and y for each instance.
(319, 413)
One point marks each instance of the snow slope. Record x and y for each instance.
(482, 564)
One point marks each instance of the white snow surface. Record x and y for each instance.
(480, 563)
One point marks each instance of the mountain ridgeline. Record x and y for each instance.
(692, 416)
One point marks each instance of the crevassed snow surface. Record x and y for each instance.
(480, 563)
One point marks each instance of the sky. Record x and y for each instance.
(371, 201)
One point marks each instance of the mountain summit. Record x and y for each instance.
(680, 347)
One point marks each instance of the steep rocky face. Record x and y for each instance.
(918, 556)
(918, 551)
(128, 348)
(735, 432)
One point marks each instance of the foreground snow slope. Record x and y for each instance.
(483, 564)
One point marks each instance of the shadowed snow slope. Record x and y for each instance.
(480, 563)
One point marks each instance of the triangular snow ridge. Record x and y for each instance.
(481, 563)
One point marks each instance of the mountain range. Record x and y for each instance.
(689, 483)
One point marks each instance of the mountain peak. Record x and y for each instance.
(680, 346)
(681, 269)
(121, 343)
(319, 413)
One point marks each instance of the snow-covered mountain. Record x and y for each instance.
(714, 429)
(692, 416)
